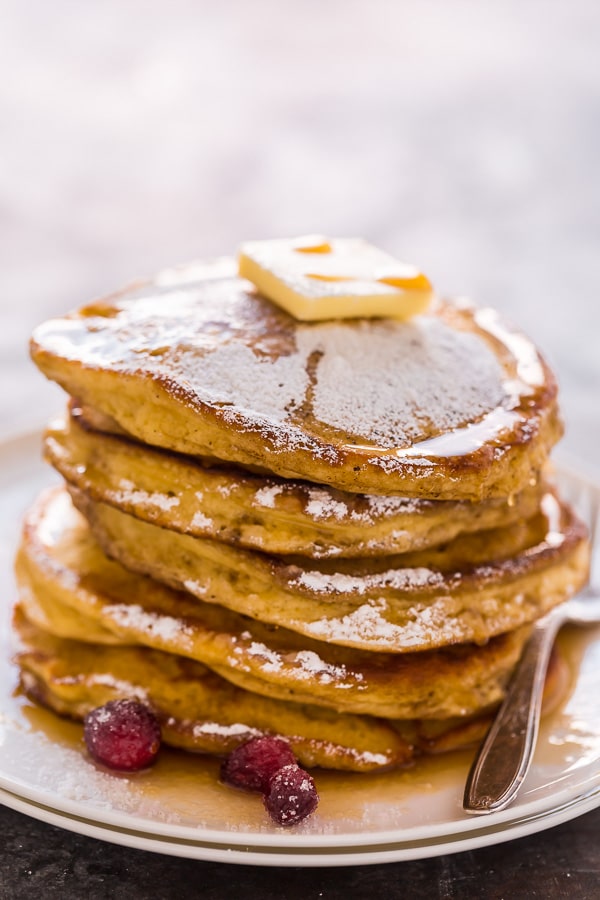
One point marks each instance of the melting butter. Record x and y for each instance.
(315, 279)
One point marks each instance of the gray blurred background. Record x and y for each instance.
(462, 136)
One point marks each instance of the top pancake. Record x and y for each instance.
(450, 405)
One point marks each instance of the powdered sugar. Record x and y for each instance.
(271, 660)
(195, 587)
(201, 521)
(367, 621)
(370, 622)
(214, 728)
(232, 375)
(130, 495)
(165, 629)
(366, 756)
(325, 673)
(321, 505)
(341, 583)
(387, 506)
(265, 496)
(391, 382)
(126, 688)
(306, 665)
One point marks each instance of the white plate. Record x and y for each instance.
(180, 808)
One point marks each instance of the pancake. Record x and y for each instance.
(197, 709)
(263, 513)
(202, 713)
(475, 587)
(70, 589)
(450, 405)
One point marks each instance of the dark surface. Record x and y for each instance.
(40, 860)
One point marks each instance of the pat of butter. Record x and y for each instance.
(315, 278)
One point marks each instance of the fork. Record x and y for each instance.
(504, 758)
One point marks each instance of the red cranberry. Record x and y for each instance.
(252, 765)
(291, 796)
(122, 734)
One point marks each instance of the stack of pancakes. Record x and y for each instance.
(339, 532)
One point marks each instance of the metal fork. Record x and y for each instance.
(506, 753)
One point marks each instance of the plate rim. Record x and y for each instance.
(367, 854)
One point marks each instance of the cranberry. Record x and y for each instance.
(292, 796)
(252, 765)
(122, 734)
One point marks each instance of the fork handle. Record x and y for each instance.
(505, 755)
